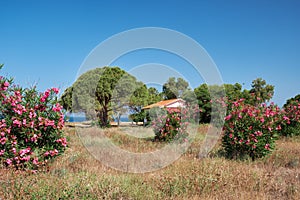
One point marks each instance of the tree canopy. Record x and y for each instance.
(110, 92)
(262, 91)
(101, 92)
(174, 88)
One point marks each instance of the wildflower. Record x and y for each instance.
(228, 117)
(17, 123)
(267, 146)
(55, 90)
(8, 161)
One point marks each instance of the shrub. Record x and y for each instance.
(169, 124)
(31, 126)
(292, 113)
(251, 130)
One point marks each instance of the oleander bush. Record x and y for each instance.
(292, 112)
(171, 124)
(30, 126)
(251, 131)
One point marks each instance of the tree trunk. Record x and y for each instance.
(118, 117)
(103, 117)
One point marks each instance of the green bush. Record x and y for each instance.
(251, 131)
(292, 113)
(171, 124)
(31, 126)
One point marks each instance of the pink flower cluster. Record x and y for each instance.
(292, 112)
(32, 126)
(173, 124)
(252, 129)
(4, 85)
(62, 141)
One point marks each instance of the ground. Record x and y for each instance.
(78, 175)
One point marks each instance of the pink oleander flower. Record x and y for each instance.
(17, 123)
(267, 146)
(57, 108)
(24, 122)
(63, 141)
(24, 151)
(278, 127)
(49, 122)
(3, 140)
(54, 152)
(31, 124)
(55, 90)
(286, 118)
(14, 150)
(46, 153)
(8, 161)
(35, 161)
(228, 117)
(6, 84)
(34, 138)
(26, 158)
(42, 99)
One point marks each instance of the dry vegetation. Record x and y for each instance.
(77, 175)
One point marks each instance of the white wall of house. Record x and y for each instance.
(176, 104)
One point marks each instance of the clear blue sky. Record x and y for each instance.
(46, 41)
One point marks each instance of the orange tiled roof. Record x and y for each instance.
(162, 103)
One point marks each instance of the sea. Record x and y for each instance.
(75, 117)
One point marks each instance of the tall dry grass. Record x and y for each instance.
(78, 175)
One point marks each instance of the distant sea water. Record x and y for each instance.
(76, 118)
(82, 118)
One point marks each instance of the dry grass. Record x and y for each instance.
(77, 175)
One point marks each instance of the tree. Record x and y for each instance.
(153, 96)
(140, 98)
(292, 100)
(66, 99)
(233, 91)
(203, 97)
(173, 88)
(261, 91)
(100, 93)
(113, 93)
(204, 92)
(189, 97)
(84, 93)
(292, 112)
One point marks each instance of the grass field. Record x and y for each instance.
(77, 175)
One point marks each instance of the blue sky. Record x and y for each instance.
(47, 41)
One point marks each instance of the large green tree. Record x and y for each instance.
(153, 96)
(174, 88)
(292, 100)
(141, 97)
(233, 91)
(261, 91)
(204, 92)
(102, 92)
(203, 97)
(66, 99)
(114, 89)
